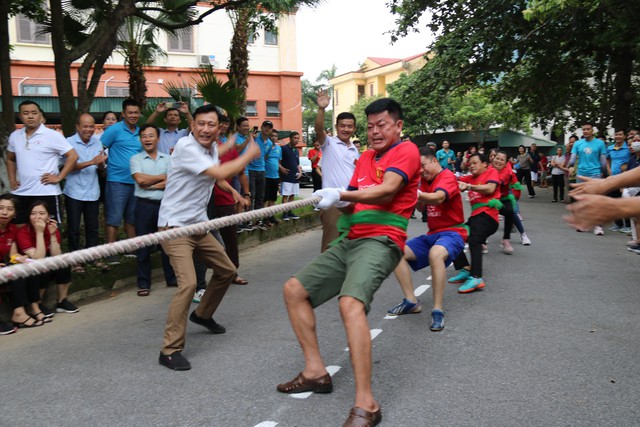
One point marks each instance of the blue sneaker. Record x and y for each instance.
(406, 307)
(437, 317)
(461, 277)
(625, 230)
(471, 285)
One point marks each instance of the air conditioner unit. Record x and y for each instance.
(203, 60)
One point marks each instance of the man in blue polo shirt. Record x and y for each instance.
(82, 190)
(591, 154)
(446, 157)
(123, 142)
(256, 169)
(618, 156)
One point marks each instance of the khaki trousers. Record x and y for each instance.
(329, 219)
(211, 253)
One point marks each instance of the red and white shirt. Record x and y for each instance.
(488, 176)
(7, 238)
(445, 216)
(402, 158)
(26, 239)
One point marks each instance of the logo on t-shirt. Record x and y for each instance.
(587, 150)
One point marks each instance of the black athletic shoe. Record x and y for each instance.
(210, 324)
(175, 361)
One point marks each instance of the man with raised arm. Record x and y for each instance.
(339, 157)
(194, 169)
(380, 198)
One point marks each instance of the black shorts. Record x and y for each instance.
(271, 189)
(23, 210)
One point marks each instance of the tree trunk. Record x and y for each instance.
(623, 59)
(137, 79)
(62, 68)
(7, 121)
(239, 55)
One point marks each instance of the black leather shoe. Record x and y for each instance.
(210, 324)
(175, 361)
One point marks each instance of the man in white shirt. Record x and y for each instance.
(339, 157)
(33, 154)
(194, 170)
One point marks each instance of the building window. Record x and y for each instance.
(181, 41)
(36, 90)
(336, 97)
(360, 91)
(118, 91)
(270, 38)
(273, 109)
(250, 109)
(371, 89)
(31, 32)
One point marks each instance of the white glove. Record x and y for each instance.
(330, 198)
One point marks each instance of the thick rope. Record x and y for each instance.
(39, 266)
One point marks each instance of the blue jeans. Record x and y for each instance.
(76, 209)
(146, 223)
(119, 202)
(257, 181)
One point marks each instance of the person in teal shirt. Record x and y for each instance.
(446, 157)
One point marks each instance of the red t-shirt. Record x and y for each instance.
(312, 153)
(488, 176)
(505, 179)
(222, 198)
(26, 239)
(404, 159)
(7, 238)
(449, 213)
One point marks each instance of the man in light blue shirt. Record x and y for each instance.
(256, 169)
(170, 136)
(82, 190)
(149, 170)
(122, 140)
(618, 156)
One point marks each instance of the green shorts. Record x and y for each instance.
(354, 268)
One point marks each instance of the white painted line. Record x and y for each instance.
(267, 424)
(332, 370)
(390, 316)
(429, 278)
(374, 333)
(421, 290)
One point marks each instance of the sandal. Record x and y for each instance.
(77, 269)
(143, 292)
(240, 281)
(44, 318)
(34, 323)
(102, 266)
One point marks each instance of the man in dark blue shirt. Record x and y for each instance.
(290, 173)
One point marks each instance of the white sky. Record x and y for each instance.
(346, 32)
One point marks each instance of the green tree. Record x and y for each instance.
(559, 60)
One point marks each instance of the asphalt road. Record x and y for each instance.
(552, 340)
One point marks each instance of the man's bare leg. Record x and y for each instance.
(130, 230)
(303, 322)
(359, 338)
(437, 258)
(403, 275)
(112, 233)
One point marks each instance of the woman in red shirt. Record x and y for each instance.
(484, 195)
(41, 238)
(23, 299)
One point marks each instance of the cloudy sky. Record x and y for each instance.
(345, 32)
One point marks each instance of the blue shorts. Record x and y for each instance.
(119, 202)
(450, 240)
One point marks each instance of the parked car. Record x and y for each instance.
(306, 179)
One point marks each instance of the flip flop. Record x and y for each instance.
(143, 292)
(240, 281)
(33, 324)
(77, 269)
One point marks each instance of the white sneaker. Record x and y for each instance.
(525, 239)
(598, 231)
(198, 296)
(485, 248)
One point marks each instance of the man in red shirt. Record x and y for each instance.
(484, 196)
(443, 242)
(378, 203)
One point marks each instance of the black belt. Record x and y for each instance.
(149, 201)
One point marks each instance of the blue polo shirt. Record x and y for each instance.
(272, 162)
(122, 144)
(257, 164)
(589, 153)
(444, 157)
(83, 184)
(619, 156)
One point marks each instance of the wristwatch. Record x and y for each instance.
(247, 194)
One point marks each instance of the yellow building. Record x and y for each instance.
(371, 79)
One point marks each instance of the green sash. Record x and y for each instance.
(511, 198)
(493, 203)
(516, 186)
(368, 217)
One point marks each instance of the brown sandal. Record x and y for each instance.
(359, 417)
(240, 281)
(300, 384)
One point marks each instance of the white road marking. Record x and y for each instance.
(390, 316)
(429, 278)
(267, 424)
(332, 370)
(421, 289)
